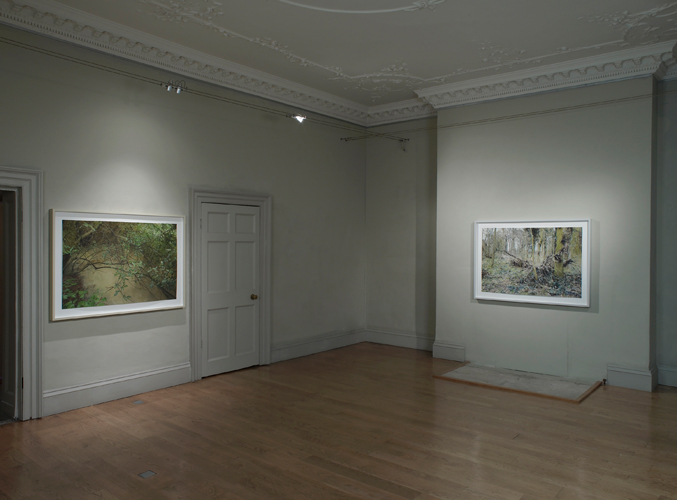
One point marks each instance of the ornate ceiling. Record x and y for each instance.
(372, 61)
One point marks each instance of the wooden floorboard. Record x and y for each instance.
(363, 422)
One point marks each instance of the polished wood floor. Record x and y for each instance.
(363, 422)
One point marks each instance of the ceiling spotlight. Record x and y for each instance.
(298, 118)
(177, 86)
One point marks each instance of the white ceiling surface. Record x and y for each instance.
(375, 56)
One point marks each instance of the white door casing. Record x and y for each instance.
(262, 254)
(230, 287)
(28, 186)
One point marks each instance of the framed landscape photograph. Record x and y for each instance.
(541, 262)
(105, 264)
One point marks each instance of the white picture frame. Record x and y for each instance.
(135, 282)
(504, 275)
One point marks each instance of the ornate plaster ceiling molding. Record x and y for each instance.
(671, 73)
(641, 61)
(412, 109)
(669, 69)
(82, 29)
(386, 6)
(206, 15)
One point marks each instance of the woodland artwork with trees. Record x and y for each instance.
(116, 263)
(533, 262)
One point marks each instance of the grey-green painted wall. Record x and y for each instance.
(592, 162)
(401, 190)
(111, 144)
(666, 235)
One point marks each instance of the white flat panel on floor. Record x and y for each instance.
(518, 381)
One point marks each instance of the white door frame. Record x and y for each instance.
(28, 184)
(264, 202)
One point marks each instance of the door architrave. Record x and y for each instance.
(264, 202)
(28, 185)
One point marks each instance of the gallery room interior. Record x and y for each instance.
(418, 120)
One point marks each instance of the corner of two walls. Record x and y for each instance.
(400, 219)
(401, 186)
(666, 233)
(557, 156)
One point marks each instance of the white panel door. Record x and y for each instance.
(230, 287)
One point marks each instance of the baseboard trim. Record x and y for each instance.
(667, 375)
(399, 339)
(445, 350)
(641, 380)
(79, 396)
(313, 345)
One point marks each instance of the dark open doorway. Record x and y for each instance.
(8, 311)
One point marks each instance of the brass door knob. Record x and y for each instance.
(254, 297)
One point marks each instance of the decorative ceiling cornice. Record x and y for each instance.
(412, 109)
(671, 73)
(82, 29)
(642, 61)
(61, 22)
(646, 27)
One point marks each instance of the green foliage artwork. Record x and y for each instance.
(108, 263)
(537, 262)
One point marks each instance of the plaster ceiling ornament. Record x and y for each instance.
(650, 26)
(493, 52)
(250, 82)
(394, 77)
(364, 6)
(644, 27)
(206, 15)
(327, 79)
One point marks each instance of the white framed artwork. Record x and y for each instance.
(540, 262)
(109, 264)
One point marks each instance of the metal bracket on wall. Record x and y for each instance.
(401, 140)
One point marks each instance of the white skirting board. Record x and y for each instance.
(642, 380)
(327, 342)
(79, 396)
(400, 339)
(667, 375)
(452, 352)
(71, 398)
(313, 345)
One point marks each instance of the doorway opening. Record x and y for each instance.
(9, 333)
(22, 212)
(231, 266)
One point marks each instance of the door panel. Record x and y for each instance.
(245, 321)
(245, 271)
(245, 224)
(218, 257)
(218, 325)
(230, 278)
